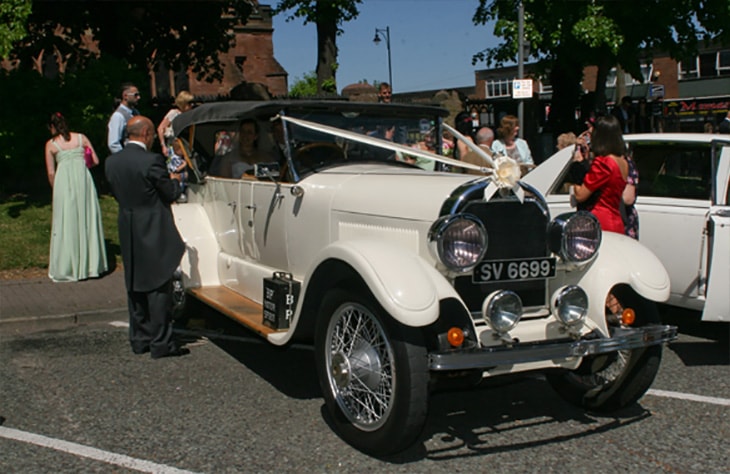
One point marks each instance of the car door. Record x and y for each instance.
(222, 204)
(674, 199)
(271, 205)
(716, 266)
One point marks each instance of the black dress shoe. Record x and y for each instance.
(141, 350)
(177, 352)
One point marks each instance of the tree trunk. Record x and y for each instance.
(565, 78)
(326, 50)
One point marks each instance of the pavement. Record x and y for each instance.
(38, 304)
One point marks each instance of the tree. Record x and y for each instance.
(304, 87)
(566, 36)
(13, 15)
(178, 34)
(328, 15)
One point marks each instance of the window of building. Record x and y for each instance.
(239, 60)
(646, 72)
(689, 69)
(706, 65)
(498, 88)
(723, 63)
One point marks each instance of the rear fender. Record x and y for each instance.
(404, 284)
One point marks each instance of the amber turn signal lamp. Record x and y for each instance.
(455, 337)
(628, 317)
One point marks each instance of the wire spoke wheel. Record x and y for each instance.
(373, 373)
(609, 382)
(360, 361)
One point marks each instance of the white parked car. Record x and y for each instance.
(684, 211)
(403, 277)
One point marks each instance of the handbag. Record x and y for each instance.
(88, 157)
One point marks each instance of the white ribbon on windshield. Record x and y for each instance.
(398, 148)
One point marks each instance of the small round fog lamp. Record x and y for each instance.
(570, 305)
(502, 310)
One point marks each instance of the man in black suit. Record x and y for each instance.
(151, 245)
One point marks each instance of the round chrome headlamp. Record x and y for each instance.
(570, 305)
(459, 241)
(575, 236)
(502, 310)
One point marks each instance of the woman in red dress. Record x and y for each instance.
(603, 185)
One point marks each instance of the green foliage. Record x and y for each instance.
(84, 97)
(596, 31)
(25, 231)
(13, 15)
(316, 11)
(305, 86)
(177, 33)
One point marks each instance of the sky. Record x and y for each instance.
(431, 44)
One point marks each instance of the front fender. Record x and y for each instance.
(620, 259)
(404, 284)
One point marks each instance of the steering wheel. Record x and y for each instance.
(317, 154)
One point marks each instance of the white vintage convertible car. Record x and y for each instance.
(405, 278)
(684, 211)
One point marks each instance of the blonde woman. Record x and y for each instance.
(183, 103)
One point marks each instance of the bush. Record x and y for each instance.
(84, 97)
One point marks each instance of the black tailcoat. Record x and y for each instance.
(151, 245)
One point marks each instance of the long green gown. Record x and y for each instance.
(77, 235)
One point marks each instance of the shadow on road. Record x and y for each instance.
(509, 413)
(712, 339)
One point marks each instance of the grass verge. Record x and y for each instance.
(25, 232)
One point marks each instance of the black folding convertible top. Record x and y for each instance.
(237, 110)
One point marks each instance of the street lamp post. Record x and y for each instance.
(385, 32)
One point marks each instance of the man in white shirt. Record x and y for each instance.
(116, 128)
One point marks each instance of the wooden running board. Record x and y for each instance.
(235, 306)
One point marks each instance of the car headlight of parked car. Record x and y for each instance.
(459, 241)
(575, 236)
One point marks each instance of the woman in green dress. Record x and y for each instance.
(77, 236)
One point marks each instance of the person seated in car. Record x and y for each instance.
(244, 155)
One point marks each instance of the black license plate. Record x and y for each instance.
(521, 269)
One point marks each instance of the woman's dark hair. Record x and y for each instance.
(463, 124)
(607, 138)
(58, 122)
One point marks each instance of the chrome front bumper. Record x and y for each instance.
(591, 344)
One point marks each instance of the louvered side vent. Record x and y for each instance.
(355, 231)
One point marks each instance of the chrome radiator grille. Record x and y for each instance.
(515, 230)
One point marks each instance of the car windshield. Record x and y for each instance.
(232, 148)
(314, 149)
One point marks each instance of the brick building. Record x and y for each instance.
(250, 60)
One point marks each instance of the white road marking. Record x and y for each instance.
(689, 396)
(119, 324)
(89, 452)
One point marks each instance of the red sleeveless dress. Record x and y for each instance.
(604, 178)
